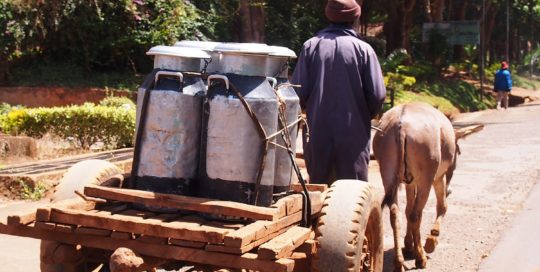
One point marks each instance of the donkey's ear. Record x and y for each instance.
(466, 131)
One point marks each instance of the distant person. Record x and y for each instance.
(503, 85)
(342, 89)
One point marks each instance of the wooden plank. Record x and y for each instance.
(283, 245)
(43, 214)
(246, 248)
(245, 235)
(45, 225)
(185, 243)
(297, 187)
(302, 261)
(21, 218)
(317, 200)
(153, 240)
(246, 261)
(289, 204)
(204, 205)
(93, 231)
(122, 235)
(308, 247)
(136, 213)
(65, 228)
(294, 203)
(258, 230)
(303, 256)
(131, 224)
(117, 208)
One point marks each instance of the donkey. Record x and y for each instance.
(416, 144)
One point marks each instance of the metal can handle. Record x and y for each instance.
(167, 73)
(272, 81)
(222, 77)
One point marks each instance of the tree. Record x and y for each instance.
(398, 25)
(252, 18)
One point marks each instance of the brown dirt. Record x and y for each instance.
(55, 96)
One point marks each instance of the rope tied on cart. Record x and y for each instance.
(205, 66)
(262, 134)
(285, 134)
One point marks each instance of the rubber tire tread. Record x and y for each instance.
(87, 172)
(340, 229)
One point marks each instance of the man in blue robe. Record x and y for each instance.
(342, 89)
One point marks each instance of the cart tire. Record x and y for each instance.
(349, 230)
(88, 172)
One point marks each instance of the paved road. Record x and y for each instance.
(519, 247)
(497, 170)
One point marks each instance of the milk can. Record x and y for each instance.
(212, 63)
(169, 106)
(277, 67)
(240, 111)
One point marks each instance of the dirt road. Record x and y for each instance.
(496, 171)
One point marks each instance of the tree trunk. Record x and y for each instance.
(531, 38)
(434, 10)
(515, 45)
(252, 16)
(437, 7)
(396, 28)
(459, 15)
(491, 15)
(364, 17)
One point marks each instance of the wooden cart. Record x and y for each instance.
(167, 231)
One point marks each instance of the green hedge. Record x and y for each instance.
(118, 101)
(87, 124)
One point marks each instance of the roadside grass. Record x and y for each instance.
(33, 193)
(525, 82)
(448, 95)
(72, 76)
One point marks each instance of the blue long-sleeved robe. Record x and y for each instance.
(342, 88)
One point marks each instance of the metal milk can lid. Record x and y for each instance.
(243, 48)
(203, 45)
(185, 52)
(281, 51)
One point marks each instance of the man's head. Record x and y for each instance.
(504, 65)
(342, 11)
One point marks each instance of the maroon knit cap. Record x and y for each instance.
(342, 11)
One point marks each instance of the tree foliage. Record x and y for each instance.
(105, 35)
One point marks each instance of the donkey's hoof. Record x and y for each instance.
(421, 262)
(408, 253)
(448, 191)
(431, 244)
